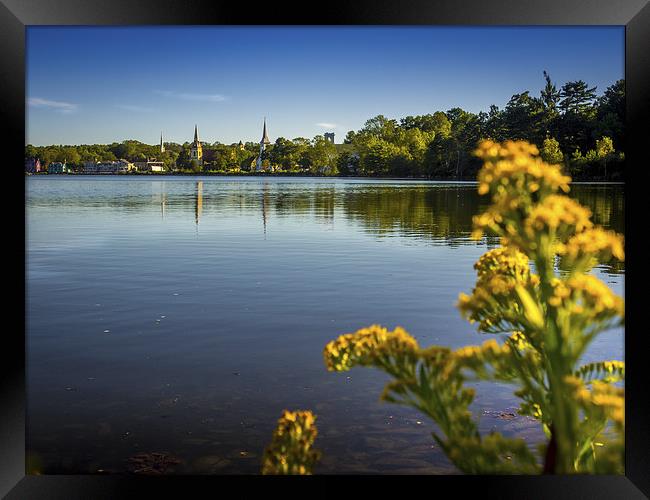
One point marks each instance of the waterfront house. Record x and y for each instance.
(150, 166)
(57, 167)
(107, 167)
(33, 165)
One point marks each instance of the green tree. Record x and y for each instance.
(551, 152)
(183, 160)
(287, 154)
(578, 116)
(380, 127)
(466, 131)
(523, 118)
(550, 98)
(376, 155)
(31, 152)
(604, 151)
(322, 156)
(348, 163)
(577, 97)
(611, 114)
(436, 122)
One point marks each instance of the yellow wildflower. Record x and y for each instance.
(290, 449)
(366, 345)
(595, 296)
(503, 261)
(557, 212)
(516, 164)
(595, 243)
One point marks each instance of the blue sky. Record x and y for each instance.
(89, 85)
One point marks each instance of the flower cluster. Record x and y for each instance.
(290, 450)
(515, 165)
(558, 215)
(595, 295)
(494, 360)
(550, 319)
(586, 295)
(603, 398)
(493, 302)
(557, 316)
(505, 262)
(475, 357)
(366, 345)
(582, 250)
(515, 177)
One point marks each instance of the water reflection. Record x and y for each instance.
(265, 200)
(198, 204)
(145, 336)
(431, 213)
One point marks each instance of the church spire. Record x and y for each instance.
(196, 149)
(265, 136)
(263, 143)
(162, 146)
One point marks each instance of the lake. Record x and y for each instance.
(181, 315)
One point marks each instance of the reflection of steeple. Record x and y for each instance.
(163, 202)
(265, 197)
(159, 195)
(198, 201)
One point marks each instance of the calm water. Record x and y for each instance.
(182, 315)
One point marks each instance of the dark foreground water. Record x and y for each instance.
(182, 315)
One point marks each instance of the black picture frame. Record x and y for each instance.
(15, 15)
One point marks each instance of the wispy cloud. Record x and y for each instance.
(60, 106)
(192, 97)
(137, 109)
(327, 125)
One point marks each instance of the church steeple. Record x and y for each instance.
(265, 136)
(162, 146)
(263, 143)
(196, 150)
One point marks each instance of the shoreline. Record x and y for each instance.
(288, 174)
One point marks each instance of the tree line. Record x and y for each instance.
(571, 125)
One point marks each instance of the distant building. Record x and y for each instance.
(126, 163)
(162, 146)
(150, 166)
(57, 167)
(33, 165)
(241, 145)
(329, 136)
(107, 167)
(196, 149)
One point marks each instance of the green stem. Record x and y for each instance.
(562, 415)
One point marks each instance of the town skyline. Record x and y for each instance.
(104, 84)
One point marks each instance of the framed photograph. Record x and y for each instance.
(371, 244)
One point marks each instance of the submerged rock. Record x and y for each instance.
(152, 463)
